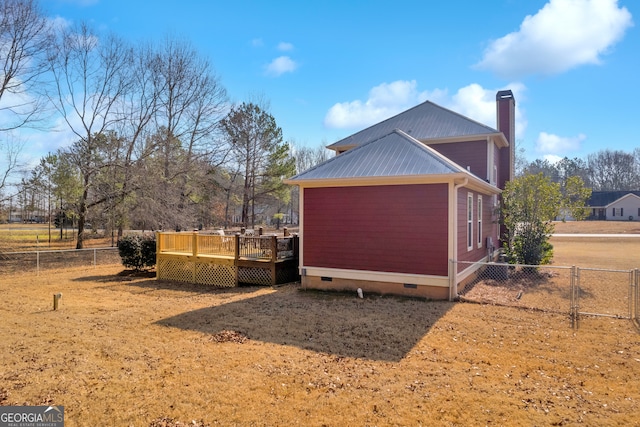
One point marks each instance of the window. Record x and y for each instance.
(621, 211)
(479, 216)
(469, 221)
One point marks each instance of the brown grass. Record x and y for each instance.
(597, 227)
(129, 350)
(32, 237)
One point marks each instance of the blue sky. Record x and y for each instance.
(331, 68)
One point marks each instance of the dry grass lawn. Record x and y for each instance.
(125, 350)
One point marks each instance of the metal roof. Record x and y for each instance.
(605, 198)
(424, 121)
(392, 155)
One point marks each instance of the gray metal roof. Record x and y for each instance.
(394, 154)
(605, 198)
(424, 121)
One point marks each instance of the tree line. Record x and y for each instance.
(605, 170)
(156, 142)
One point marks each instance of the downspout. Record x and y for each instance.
(453, 266)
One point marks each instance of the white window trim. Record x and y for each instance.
(469, 221)
(479, 216)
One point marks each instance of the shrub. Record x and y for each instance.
(138, 252)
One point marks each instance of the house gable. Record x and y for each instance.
(626, 207)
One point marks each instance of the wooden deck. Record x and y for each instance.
(226, 261)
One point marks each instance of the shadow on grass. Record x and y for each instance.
(124, 275)
(140, 285)
(376, 328)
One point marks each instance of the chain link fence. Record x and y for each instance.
(38, 261)
(574, 290)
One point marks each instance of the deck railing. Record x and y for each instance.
(264, 248)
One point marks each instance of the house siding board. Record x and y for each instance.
(472, 154)
(400, 229)
(489, 228)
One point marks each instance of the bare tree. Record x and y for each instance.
(307, 157)
(190, 105)
(91, 77)
(131, 151)
(611, 170)
(25, 37)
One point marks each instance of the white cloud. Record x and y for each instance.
(281, 65)
(285, 47)
(388, 99)
(552, 158)
(257, 43)
(384, 101)
(549, 143)
(563, 34)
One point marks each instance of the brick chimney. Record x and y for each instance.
(506, 117)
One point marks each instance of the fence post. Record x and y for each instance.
(573, 298)
(95, 258)
(635, 298)
(576, 273)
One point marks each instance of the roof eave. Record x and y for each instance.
(472, 181)
(498, 137)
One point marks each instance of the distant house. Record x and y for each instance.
(615, 205)
(402, 198)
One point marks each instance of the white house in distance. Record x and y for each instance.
(615, 205)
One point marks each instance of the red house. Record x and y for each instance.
(404, 197)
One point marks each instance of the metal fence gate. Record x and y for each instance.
(574, 290)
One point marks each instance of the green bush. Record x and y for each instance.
(138, 252)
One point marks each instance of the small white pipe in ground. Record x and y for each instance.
(360, 293)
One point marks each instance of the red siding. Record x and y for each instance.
(471, 153)
(489, 227)
(400, 229)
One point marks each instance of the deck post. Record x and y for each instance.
(159, 246)
(274, 259)
(296, 246)
(236, 256)
(195, 243)
(194, 248)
